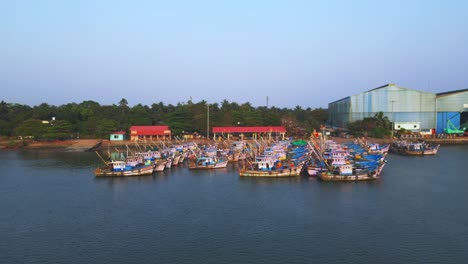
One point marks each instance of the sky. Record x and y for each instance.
(298, 53)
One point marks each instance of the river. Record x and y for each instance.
(53, 210)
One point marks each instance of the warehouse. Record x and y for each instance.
(406, 108)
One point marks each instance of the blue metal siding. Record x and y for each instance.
(443, 117)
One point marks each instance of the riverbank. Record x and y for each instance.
(78, 145)
(82, 145)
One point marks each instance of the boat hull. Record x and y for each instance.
(194, 166)
(362, 177)
(419, 153)
(140, 171)
(272, 173)
(160, 166)
(370, 176)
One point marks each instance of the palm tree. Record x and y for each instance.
(123, 105)
(382, 120)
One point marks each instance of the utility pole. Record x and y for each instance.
(267, 101)
(207, 121)
(393, 117)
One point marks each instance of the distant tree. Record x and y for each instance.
(377, 126)
(90, 119)
(140, 115)
(106, 127)
(44, 111)
(32, 127)
(58, 129)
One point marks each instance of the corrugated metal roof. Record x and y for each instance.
(149, 130)
(392, 84)
(452, 92)
(263, 129)
(118, 133)
(347, 97)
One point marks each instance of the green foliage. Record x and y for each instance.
(32, 127)
(89, 119)
(58, 129)
(105, 127)
(378, 126)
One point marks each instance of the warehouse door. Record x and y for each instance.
(464, 119)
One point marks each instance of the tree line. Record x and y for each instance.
(89, 119)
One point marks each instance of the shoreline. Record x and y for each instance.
(86, 145)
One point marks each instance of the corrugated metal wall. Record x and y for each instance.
(452, 102)
(397, 103)
(338, 112)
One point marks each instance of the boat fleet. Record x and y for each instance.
(326, 160)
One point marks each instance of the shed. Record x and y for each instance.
(149, 133)
(255, 132)
(117, 136)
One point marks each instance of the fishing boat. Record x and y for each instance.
(168, 163)
(415, 148)
(237, 151)
(378, 149)
(315, 167)
(348, 172)
(160, 165)
(122, 169)
(175, 161)
(269, 166)
(282, 171)
(281, 159)
(211, 162)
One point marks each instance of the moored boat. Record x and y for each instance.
(349, 173)
(121, 169)
(160, 165)
(280, 172)
(208, 163)
(415, 148)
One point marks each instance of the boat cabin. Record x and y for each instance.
(346, 169)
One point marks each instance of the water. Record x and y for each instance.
(53, 210)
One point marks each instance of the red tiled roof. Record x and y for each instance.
(263, 129)
(149, 130)
(118, 133)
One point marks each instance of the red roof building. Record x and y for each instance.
(149, 132)
(255, 131)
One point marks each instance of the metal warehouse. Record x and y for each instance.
(406, 108)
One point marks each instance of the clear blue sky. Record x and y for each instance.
(305, 53)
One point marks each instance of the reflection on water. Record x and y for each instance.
(271, 180)
(51, 159)
(55, 210)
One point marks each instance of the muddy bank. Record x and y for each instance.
(79, 145)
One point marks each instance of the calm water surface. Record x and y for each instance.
(53, 210)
